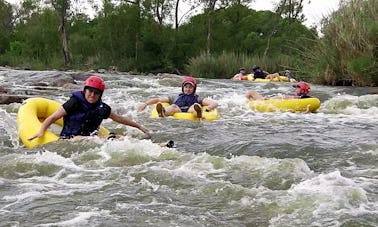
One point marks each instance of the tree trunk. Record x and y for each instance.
(209, 27)
(211, 8)
(137, 34)
(176, 15)
(66, 52)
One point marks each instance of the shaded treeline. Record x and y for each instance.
(148, 36)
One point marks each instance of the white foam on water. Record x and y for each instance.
(10, 126)
(321, 199)
(148, 184)
(19, 199)
(331, 184)
(79, 218)
(128, 144)
(195, 168)
(54, 159)
(203, 169)
(362, 106)
(29, 196)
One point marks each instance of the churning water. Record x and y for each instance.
(245, 169)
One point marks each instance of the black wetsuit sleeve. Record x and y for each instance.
(72, 106)
(107, 110)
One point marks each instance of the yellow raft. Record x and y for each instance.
(30, 117)
(283, 79)
(285, 105)
(209, 116)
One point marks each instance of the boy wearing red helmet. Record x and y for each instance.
(301, 91)
(84, 111)
(187, 101)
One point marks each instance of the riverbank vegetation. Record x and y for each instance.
(149, 36)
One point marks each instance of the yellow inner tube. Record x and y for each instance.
(30, 117)
(291, 105)
(209, 116)
(283, 79)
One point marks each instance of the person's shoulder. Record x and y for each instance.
(71, 104)
(107, 108)
(72, 100)
(106, 105)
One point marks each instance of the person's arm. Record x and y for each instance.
(237, 77)
(253, 95)
(48, 121)
(123, 120)
(209, 103)
(152, 102)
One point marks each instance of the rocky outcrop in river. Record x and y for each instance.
(18, 85)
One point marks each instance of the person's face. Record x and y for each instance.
(242, 72)
(188, 89)
(92, 95)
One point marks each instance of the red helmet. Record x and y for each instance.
(189, 80)
(304, 87)
(95, 82)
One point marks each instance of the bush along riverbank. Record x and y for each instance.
(212, 44)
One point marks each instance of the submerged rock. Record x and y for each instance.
(7, 99)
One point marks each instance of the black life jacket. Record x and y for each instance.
(259, 74)
(86, 120)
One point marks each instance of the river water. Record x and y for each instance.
(245, 169)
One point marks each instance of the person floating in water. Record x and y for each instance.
(289, 75)
(301, 91)
(84, 111)
(258, 73)
(242, 75)
(187, 101)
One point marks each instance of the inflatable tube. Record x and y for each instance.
(283, 79)
(291, 105)
(244, 78)
(209, 116)
(30, 117)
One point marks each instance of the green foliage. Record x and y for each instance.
(226, 65)
(348, 50)
(6, 19)
(215, 66)
(134, 37)
(37, 41)
(291, 10)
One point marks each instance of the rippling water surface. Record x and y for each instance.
(245, 169)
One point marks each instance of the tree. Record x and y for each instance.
(348, 50)
(6, 25)
(38, 37)
(291, 10)
(210, 8)
(62, 8)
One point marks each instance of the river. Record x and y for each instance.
(245, 169)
